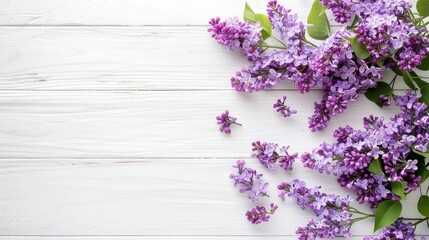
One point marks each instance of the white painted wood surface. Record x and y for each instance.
(108, 124)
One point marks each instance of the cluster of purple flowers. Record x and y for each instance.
(249, 181)
(332, 210)
(341, 9)
(270, 156)
(333, 66)
(389, 143)
(398, 230)
(386, 28)
(238, 36)
(342, 76)
(282, 108)
(226, 121)
(259, 214)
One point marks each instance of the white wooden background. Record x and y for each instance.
(108, 128)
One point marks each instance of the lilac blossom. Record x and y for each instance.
(387, 34)
(332, 210)
(271, 156)
(391, 143)
(398, 231)
(259, 214)
(342, 76)
(282, 108)
(237, 35)
(249, 181)
(226, 121)
(291, 29)
(270, 69)
(341, 9)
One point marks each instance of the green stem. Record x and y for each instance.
(280, 41)
(412, 15)
(354, 210)
(305, 40)
(420, 221)
(268, 46)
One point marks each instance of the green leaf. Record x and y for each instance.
(380, 63)
(396, 70)
(423, 205)
(320, 24)
(373, 94)
(425, 64)
(421, 165)
(398, 189)
(426, 155)
(408, 79)
(375, 167)
(249, 15)
(420, 83)
(386, 213)
(360, 50)
(323, 10)
(265, 24)
(425, 95)
(423, 7)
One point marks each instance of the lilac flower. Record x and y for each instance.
(282, 108)
(385, 100)
(268, 70)
(332, 210)
(385, 35)
(247, 178)
(398, 230)
(390, 143)
(342, 75)
(259, 214)
(341, 9)
(237, 35)
(226, 121)
(291, 29)
(270, 156)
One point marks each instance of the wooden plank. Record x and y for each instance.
(129, 12)
(249, 237)
(146, 197)
(92, 124)
(127, 58)
(132, 12)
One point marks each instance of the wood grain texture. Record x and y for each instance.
(145, 197)
(132, 12)
(128, 12)
(247, 237)
(91, 124)
(118, 58)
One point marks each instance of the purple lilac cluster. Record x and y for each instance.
(341, 9)
(386, 28)
(237, 35)
(291, 63)
(342, 76)
(389, 143)
(226, 121)
(249, 181)
(259, 214)
(271, 156)
(282, 108)
(398, 230)
(331, 210)
(387, 36)
(332, 66)
(291, 29)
